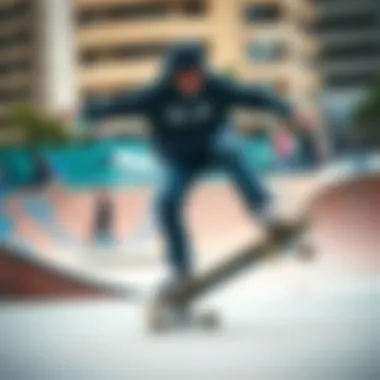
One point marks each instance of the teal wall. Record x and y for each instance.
(128, 161)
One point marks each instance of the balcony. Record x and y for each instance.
(348, 52)
(344, 8)
(287, 33)
(16, 54)
(355, 21)
(116, 76)
(347, 67)
(15, 81)
(348, 82)
(349, 37)
(104, 4)
(167, 30)
(12, 27)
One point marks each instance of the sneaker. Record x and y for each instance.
(270, 221)
(169, 286)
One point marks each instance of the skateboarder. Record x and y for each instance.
(189, 109)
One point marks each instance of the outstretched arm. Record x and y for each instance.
(94, 112)
(257, 98)
(295, 119)
(135, 102)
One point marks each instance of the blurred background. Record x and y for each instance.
(321, 54)
(73, 207)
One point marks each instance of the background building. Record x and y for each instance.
(37, 60)
(18, 46)
(18, 56)
(349, 61)
(84, 48)
(120, 42)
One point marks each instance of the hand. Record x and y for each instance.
(308, 123)
(305, 120)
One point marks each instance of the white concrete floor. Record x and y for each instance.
(285, 321)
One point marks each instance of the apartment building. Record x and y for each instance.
(120, 42)
(18, 61)
(100, 47)
(349, 60)
(36, 58)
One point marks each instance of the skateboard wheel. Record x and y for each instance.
(163, 316)
(155, 319)
(210, 320)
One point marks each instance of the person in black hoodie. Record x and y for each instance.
(189, 109)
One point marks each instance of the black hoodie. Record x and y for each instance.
(179, 123)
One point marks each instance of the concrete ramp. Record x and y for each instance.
(24, 275)
(344, 205)
(345, 210)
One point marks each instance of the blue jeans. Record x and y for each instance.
(223, 151)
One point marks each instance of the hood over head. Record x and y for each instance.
(184, 56)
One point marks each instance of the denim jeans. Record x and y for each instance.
(222, 152)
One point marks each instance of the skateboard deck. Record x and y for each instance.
(187, 292)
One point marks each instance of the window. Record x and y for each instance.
(262, 13)
(87, 17)
(138, 52)
(194, 7)
(135, 12)
(124, 12)
(22, 8)
(128, 52)
(90, 57)
(138, 11)
(17, 38)
(15, 67)
(4, 69)
(350, 80)
(23, 94)
(18, 95)
(19, 9)
(9, 42)
(266, 51)
(359, 22)
(364, 49)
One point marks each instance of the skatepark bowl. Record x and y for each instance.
(69, 310)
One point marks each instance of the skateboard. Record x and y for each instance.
(175, 309)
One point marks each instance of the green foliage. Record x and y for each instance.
(230, 73)
(38, 128)
(368, 110)
(367, 115)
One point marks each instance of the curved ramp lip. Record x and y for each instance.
(350, 169)
(342, 172)
(72, 272)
